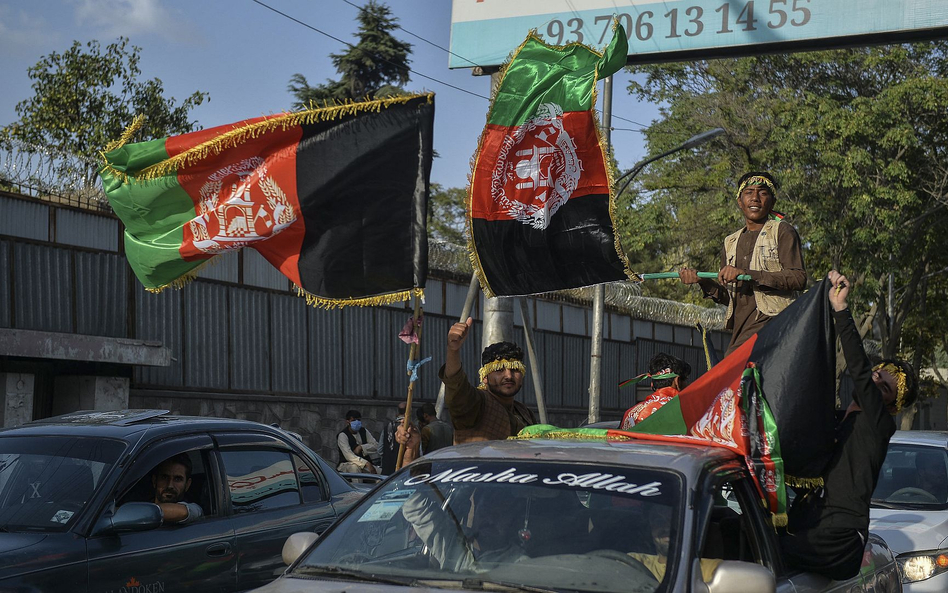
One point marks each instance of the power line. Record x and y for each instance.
(321, 32)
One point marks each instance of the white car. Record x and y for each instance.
(910, 508)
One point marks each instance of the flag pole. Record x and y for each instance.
(412, 355)
(534, 363)
(465, 313)
(599, 292)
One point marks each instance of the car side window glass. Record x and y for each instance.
(730, 534)
(259, 480)
(309, 479)
(198, 490)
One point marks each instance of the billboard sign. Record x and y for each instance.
(485, 32)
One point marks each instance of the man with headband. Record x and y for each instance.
(768, 250)
(828, 526)
(488, 412)
(668, 376)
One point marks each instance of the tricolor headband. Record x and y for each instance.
(664, 374)
(758, 180)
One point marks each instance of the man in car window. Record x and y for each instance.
(488, 412)
(828, 527)
(932, 477)
(171, 481)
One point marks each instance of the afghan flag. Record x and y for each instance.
(772, 400)
(540, 207)
(335, 198)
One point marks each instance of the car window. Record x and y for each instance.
(311, 482)
(201, 488)
(539, 524)
(730, 533)
(913, 476)
(46, 481)
(260, 479)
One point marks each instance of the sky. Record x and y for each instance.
(243, 55)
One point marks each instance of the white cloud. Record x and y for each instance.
(134, 18)
(21, 32)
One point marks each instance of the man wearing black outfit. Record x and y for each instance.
(829, 526)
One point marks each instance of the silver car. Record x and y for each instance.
(563, 515)
(910, 508)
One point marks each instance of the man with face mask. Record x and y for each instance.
(356, 445)
(488, 412)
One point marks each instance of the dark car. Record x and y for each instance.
(77, 510)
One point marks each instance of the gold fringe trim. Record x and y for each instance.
(240, 135)
(809, 483)
(126, 136)
(499, 365)
(186, 278)
(568, 435)
(704, 342)
(373, 301)
(780, 519)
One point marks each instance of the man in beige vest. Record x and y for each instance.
(766, 249)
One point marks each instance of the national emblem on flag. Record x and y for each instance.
(540, 205)
(335, 198)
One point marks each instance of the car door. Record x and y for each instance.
(197, 556)
(274, 490)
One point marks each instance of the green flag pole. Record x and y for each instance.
(665, 275)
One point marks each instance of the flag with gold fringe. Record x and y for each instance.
(540, 210)
(334, 197)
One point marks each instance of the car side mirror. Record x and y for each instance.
(131, 516)
(296, 544)
(732, 576)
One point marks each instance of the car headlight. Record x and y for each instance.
(921, 565)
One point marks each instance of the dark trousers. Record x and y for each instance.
(835, 552)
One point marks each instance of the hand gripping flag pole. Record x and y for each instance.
(413, 366)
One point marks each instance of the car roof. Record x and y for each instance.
(931, 438)
(688, 459)
(124, 424)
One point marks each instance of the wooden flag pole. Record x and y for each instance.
(412, 355)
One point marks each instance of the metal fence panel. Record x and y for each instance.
(24, 218)
(610, 373)
(664, 333)
(86, 230)
(206, 336)
(259, 272)
(627, 370)
(359, 327)
(290, 346)
(547, 316)
(222, 267)
(43, 288)
(249, 339)
(6, 284)
(325, 350)
(552, 356)
(389, 374)
(434, 299)
(454, 295)
(576, 376)
(574, 320)
(158, 317)
(101, 294)
(434, 343)
(620, 327)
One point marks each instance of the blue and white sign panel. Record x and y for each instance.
(484, 32)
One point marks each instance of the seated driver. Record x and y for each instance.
(171, 480)
(932, 477)
(659, 519)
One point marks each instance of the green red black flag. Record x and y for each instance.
(335, 198)
(541, 204)
(771, 400)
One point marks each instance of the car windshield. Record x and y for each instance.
(45, 481)
(913, 477)
(528, 524)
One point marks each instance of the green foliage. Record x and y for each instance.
(376, 66)
(446, 214)
(85, 97)
(858, 140)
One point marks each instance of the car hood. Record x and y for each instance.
(10, 542)
(905, 531)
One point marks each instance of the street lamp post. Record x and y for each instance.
(696, 140)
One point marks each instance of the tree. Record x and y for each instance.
(84, 98)
(376, 66)
(858, 139)
(446, 214)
